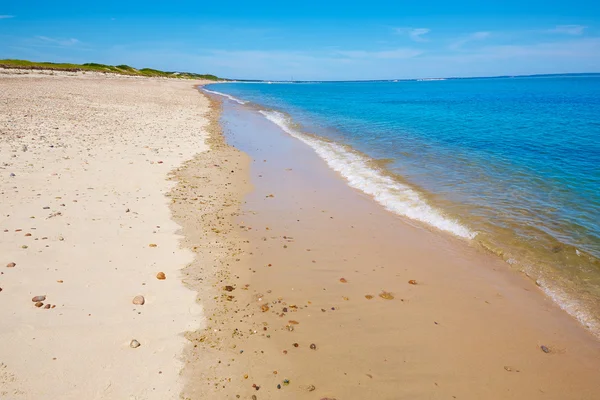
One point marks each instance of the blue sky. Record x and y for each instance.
(311, 40)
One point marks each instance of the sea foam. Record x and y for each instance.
(227, 96)
(360, 174)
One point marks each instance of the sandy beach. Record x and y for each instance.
(85, 220)
(282, 282)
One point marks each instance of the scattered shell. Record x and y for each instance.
(38, 298)
(308, 388)
(11, 265)
(134, 344)
(386, 295)
(264, 308)
(545, 349)
(161, 276)
(139, 300)
(412, 282)
(343, 280)
(507, 368)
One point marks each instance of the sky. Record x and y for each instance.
(311, 40)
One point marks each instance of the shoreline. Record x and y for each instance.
(541, 261)
(314, 248)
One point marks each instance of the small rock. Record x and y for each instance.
(343, 280)
(134, 344)
(412, 282)
(139, 300)
(38, 304)
(264, 308)
(545, 349)
(47, 306)
(152, 245)
(229, 288)
(38, 298)
(368, 297)
(12, 175)
(386, 295)
(11, 265)
(161, 276)
(296, 345)
(507, 368)
(254, 397)
(46, 208)
(313, 346)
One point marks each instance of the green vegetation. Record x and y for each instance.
(114, 69)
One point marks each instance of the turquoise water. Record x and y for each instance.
(510, 164)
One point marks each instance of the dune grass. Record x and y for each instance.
(114, 69)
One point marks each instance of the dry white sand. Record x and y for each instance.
(91, 155)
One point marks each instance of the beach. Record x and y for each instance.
(281, 280)
(85, 220)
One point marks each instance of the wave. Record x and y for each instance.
(226, 95)
(358, 170)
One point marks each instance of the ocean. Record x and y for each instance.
(511, 165)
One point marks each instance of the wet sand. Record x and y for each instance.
(318, 263)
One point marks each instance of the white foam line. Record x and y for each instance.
(226, 95)
(394, 196)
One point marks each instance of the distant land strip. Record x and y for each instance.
(111, 69)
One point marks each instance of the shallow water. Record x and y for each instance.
(512, 164)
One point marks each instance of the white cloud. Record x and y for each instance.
(415, 34)
(6, 16)
(60, 42)
(568, 29)
(471, 38)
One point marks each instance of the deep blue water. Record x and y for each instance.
(512, 164)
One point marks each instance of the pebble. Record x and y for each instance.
(38, 298)
(343, 280)
(313, 346)
(11, 265)
(386, 295)
(264, 308)
(47, 306)
(134, 344)
(152, 245)
(39, 304)
(139, 300)
(412, 282)
(545, 349)
(161, 276)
